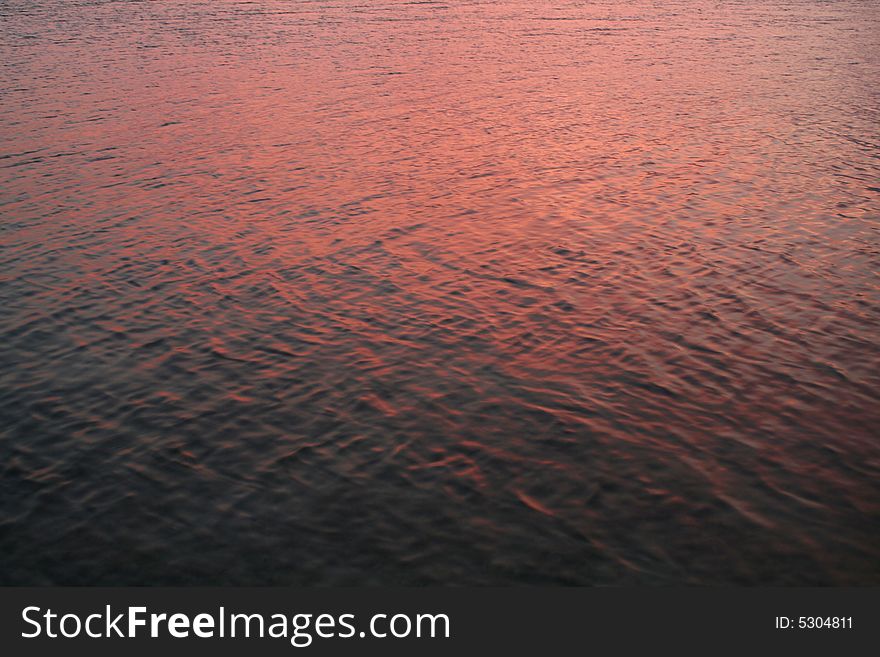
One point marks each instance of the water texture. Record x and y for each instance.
(465, 292)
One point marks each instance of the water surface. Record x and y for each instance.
(466, 292)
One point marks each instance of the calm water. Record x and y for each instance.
(470, 292)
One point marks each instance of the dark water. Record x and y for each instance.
(469, 292)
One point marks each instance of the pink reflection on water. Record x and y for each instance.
(592, 280)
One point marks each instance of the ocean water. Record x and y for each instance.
(439, 292)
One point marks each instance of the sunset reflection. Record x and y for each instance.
(486, 292)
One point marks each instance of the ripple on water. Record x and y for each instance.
(476, 293)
